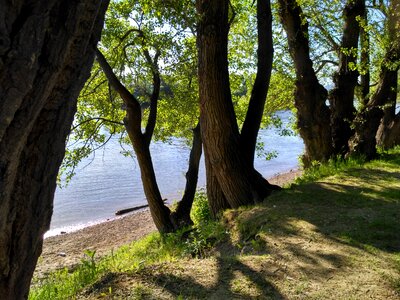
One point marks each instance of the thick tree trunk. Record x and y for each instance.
(251, 125)
(217, 118)
(46, 51)
(341, 97)
(392, 136)
(367, 121)
(220, 133)
(388, 134)
(216, 199)
(310, 95)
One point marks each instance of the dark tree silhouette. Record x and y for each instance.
(46, 52)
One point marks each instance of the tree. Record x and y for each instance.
(368, 120)
(235, 182)
(341, 98)
(251, 125)
(123, 46)
(46, 51)
(310, 95)
(162, 217)
(145, 74)
(350, 130)
(388, 134)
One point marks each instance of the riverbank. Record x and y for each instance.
(66, 250)
(332, 235)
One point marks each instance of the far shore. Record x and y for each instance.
(66, 250)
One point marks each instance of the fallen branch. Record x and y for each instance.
(128, 210)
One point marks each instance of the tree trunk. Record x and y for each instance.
(365, 77)
(164, 220)
(310, 95)
(388, 134)
(341, 97)
(141, 142)
(46, 51)
(216, 199)
(217, 118)
(181, 217)
(159, 211)
(220, 133)
(251, 125)
(367, 121)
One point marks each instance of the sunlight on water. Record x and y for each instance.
(112, 182)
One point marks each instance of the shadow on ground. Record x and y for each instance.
(310, 239)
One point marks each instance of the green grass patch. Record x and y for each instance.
(334, 234)
(152, 249)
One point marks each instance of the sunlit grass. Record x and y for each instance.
(152, 249)
(335, 234)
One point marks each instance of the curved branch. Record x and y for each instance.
(133, 106)
(335, 45)
(324, 62)
(96, 119)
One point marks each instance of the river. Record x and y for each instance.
(112, 181)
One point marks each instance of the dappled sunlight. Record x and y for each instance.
(336, 238)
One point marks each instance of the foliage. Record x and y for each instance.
(168, 27)
(153, 249)
(86, 273)
(319, 170)
(200, 213)
(131, 29)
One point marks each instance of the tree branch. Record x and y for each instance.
(151, 121)
(259, 92)
(324, 62)
(133, 106)
(97, 119)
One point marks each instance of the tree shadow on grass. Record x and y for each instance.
(224, 287)
(345, 213)
(354, 214)
(279, 236)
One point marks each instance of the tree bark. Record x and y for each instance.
(341, 97)
(217, 118)
(46, 51)
(363, 143)
(388, 134)
(310, 95)
(251, 125)
(367, 121)
(181, 217)
(164, 220)
(224, 157)
(141, 142)
(216, 199)
(365, 77)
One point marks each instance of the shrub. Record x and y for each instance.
(200, 212)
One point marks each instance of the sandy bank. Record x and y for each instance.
(67, 250)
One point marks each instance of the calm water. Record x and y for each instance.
(112, 182)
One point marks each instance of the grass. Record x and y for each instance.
(334, 234)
